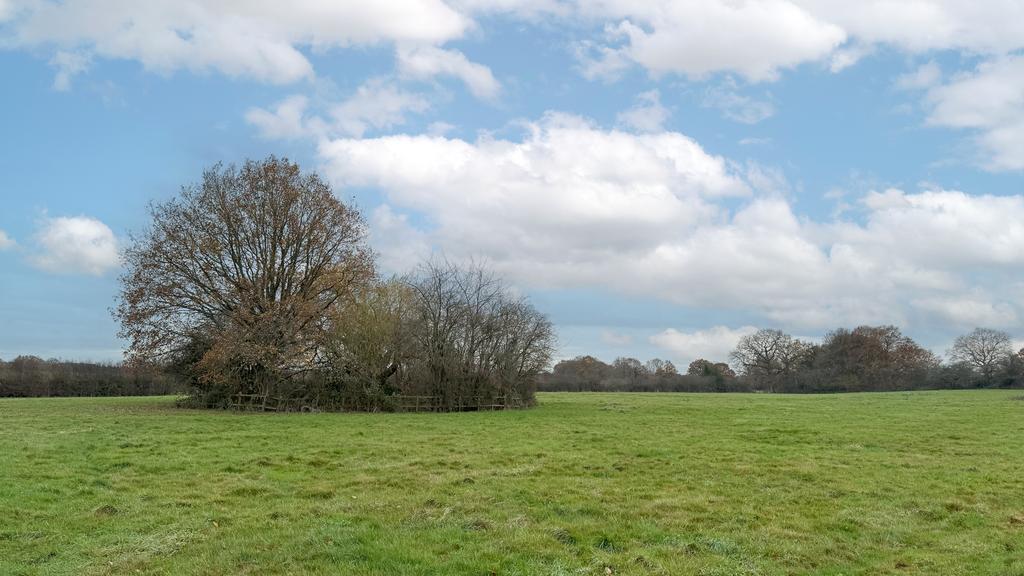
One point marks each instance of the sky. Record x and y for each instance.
(659, 177)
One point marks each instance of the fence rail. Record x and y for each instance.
(398, 403)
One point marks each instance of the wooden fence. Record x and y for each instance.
(398, 403)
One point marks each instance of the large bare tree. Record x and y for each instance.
(238, 272)
(767, 353)
(984, 349)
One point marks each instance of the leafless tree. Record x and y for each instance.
(249, 261)
(661, 368)
(984, 349)
(768, 353)
(473, 339)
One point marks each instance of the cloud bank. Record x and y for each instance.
(653, 214)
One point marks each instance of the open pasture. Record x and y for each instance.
(676, 484)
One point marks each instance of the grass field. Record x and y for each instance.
(900, 483)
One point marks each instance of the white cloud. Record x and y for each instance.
(922, 78)
(613, 338)
(399, 245)
(938, 229)
(758, 39)
(440, 128)
(424, 62)
(755, 39)
(647, 115)
(79, 244)
(969, 310)
(990, 102)
(378, 104)
(6, 242)
(713, 344)
(286, 121)
(847, 56)
(600, 62)
(696, 38)
(572, 205)
(736, 106)
(990, 27)
(258, 40)
(68, 65)
(567, 193)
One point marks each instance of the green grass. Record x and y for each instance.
(900, 483)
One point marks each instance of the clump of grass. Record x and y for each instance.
(564, 536)
(106, 510)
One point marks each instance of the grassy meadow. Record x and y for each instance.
(676, 484)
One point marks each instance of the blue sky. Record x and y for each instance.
(660, 178)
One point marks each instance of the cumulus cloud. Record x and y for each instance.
(571, 204)
(568, 192)
(257, 40)
(424, 62)
(286, 121)
(378, 104)
(939, 228)
(990, 102)
(757, 40)
(6, 242)
(75, 245)
(647, 115)
(754, 39)
(696, 38)
(713, 344)
(926, 25)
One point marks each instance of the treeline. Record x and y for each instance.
(863, 359)
(31, 376)
(588, 374)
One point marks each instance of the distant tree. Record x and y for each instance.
(872, 358)
(27, 376)
(654, 366)
(699, 367)
(722, 369)
(666, 368)
(983, 349)
(630, 370)
(768, 353)
(248, 262)
(583, 373)
(702, 367)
